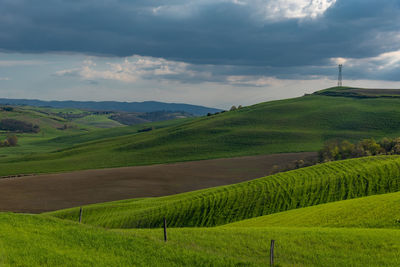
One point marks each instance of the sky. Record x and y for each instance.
(214, 53)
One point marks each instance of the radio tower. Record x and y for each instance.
(340, 80)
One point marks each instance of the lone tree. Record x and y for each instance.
(233, 108)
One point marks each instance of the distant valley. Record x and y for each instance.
(140, 107)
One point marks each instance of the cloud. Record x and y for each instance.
(273, 38)
(255, 32)
(129, 70)
(13, 63)
(284, 9)
(132, 69)
(136, 68)
(266, 10)
(4, 79)
(384, 66)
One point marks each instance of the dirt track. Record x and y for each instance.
(48, 192)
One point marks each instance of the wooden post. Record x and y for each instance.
(165, 229)
(80, 215)
(271, 257)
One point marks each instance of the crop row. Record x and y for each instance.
(305, 187)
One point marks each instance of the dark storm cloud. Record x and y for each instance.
(206, 32)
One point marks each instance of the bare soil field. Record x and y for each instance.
(39, 193)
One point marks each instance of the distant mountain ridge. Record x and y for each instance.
(146, 106)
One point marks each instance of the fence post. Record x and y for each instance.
(80, 215)
(271, 257)
(165, 229)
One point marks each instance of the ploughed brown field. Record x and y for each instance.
(39, 193)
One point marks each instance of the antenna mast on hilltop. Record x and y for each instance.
(340, 79)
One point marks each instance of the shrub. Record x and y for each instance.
(337, 150)
(6, 108)
(330, 151)
(145, 129)
(12, 140)
(368, 147)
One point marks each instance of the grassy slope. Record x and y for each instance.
(293, 247)
(299, 124)
(105, 135)
(359, 92)
(99, 121)
(54, 242)
(51, 138)
(220, 205)
(61, 242)
(58, 243)
(28, 142)
(48, 123)
(380, 211)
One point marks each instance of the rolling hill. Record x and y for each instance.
(359, 92)
(46, 124)
(379, 211)
(147, 106)
(292, 125)
(303, 236)
(323, 215)
(307, 231)
(54, 242)
(43, 129)
(280, 192)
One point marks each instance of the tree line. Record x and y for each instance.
(337, 150)
(13, 125)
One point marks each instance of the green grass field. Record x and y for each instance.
(343, 213)
(341, 233)
(379, 211)
(99, 121)
(35, 240)
(52, 137)
(50, 127)
(345, 91)
(280, 192)
(292, 125)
